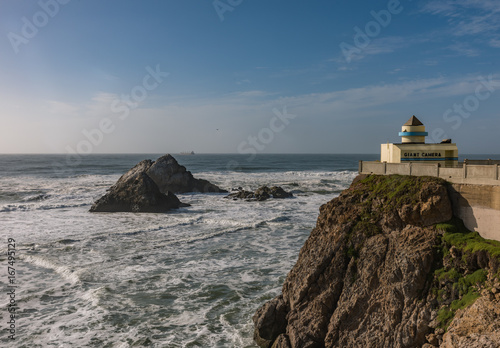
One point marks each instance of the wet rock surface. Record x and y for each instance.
(136, 192)
(261, 194)
(171, 176)
(149, 187)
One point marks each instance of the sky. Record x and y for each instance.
(246, 76)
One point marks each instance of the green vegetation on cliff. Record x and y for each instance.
(394, 190)
(457, 235)
(466, 260)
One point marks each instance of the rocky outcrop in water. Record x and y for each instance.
(261, 194)
(136, 192)
(171, 176)
(149, 187)
(377, 271)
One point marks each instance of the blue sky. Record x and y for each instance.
(229, 76)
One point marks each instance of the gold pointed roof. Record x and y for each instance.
(413, 121)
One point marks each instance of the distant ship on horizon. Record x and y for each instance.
(187, 153)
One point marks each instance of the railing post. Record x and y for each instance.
(360, 167)
(385, 168)
(465, 170)
(496, 172)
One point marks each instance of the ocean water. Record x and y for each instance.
(193, 277)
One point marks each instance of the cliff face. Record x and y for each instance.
(376, 272)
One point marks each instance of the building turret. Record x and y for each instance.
(413, 132)
(414, 149)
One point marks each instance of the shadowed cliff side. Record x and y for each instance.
(377, 271)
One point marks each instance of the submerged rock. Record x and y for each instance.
(136, 192)
(367, 275)
(261, 194)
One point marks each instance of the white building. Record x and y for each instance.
(414, 149)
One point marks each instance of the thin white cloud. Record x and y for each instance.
(430, 62)
(468, 17)
(395, 71)
(343, 100)
(58, 108)
(463, 49)
(193, 122)
(385, 45)
(251, 94)
(245, 81)
(381, 45)
(455, 8)
(495, 43)
(345, 68)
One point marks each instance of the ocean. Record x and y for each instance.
(192, 277)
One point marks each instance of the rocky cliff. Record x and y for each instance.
(387, 265)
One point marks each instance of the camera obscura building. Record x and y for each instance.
(414, 149)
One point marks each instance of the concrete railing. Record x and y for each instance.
(482, 162)
(468, 174)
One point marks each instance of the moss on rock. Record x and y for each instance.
(467, 260)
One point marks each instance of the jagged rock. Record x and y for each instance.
(281, 342)
(140, 167)
(242, 194)
(149, 187)
(432, 339)
(364, 276)
(261, 194)
(136, 192)
(273, 191)
(432, 206)
(270, 322)
(171, 176)
(477, 326)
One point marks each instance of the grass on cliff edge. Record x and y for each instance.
(457, 235)
(446, 315)
(396, 190)
(390, 192)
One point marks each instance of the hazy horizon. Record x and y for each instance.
(180, 154)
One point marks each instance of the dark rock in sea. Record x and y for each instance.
(171, 176)
(261, 194)
(149, 187)
(242, 194)
(377, 272)
(136, 192)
